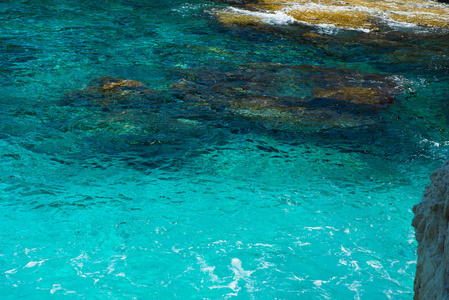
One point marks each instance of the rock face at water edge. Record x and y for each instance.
(365, 15)
(431, 224)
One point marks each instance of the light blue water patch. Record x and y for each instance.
(88, 231)
(229, 177)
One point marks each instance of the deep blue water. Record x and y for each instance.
(233, 175)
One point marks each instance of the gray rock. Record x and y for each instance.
(431, 224)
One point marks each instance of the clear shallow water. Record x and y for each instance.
(200, 192)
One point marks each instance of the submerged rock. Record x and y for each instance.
(125, 119)
(290, 98)
(431, 223)
(370, 96)
(205, 106)
(111, 91)
(111, 84)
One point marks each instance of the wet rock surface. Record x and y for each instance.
(361, 15)
(432, 231)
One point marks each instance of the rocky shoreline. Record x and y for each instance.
(431, 223)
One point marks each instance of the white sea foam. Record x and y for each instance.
(346, 251)
(275, 18)
(56, 287)
(318, 282)
(299, 243)
(355, 265)
(313, 228)
(434, 143)
(241, 274)
(283, 17)
(354, 286)
(33, 263)
(264, 245)
(375, 264)
(265, 265)
(205, 268)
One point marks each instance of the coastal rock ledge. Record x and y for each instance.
(431, 224)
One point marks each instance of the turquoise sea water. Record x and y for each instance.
(199, 189)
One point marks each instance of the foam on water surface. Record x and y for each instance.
(275, 18)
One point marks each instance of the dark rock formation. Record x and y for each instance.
(274, 96)
(431, 224)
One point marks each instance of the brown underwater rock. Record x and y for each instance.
(112, 104)
(112, 93)
(369, 96)
(119, 107)
(109, 90)
(111, 84)
(290, 97)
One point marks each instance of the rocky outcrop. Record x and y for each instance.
(356, 14)
(432, 231)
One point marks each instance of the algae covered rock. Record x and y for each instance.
(111, 91)
(123, 118)
(364, 15)
(431, 223)
(290, 97)
(369, 97)
(125, 106)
